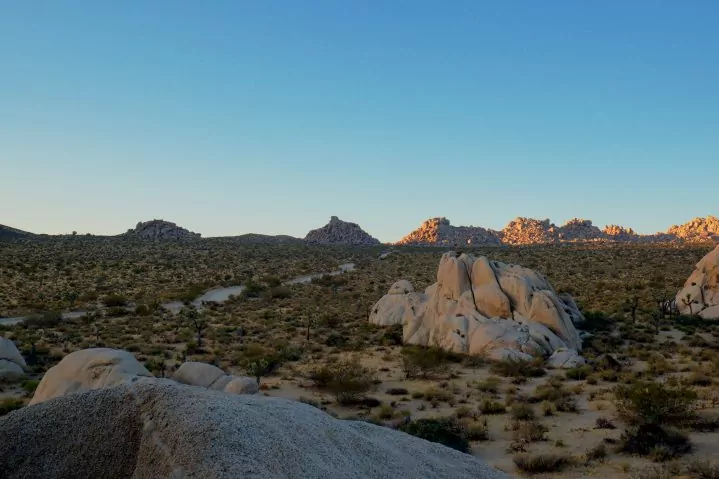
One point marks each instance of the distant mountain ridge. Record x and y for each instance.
(529, 231)
(8, 233)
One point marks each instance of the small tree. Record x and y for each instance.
(688, 302)
(632, 307)
(197, 320)
(259, 368)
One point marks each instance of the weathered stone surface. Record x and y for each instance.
(158, 230)
(89, 369)
(159, 428)
(478, 306)
(439, 232)
(340, 232)
(565, 359)
(700, 294)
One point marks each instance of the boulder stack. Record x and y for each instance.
(160, 230)
(340, 232)
(483, 307)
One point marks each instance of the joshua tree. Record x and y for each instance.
(197, 320)
(259, 368)
(633, 306)
(688, 302)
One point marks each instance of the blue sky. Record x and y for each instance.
(235, 117)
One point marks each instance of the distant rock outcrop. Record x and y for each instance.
(340, 232)
(700, 294)
(483, 307)
(439, 232)
(159, 428)
(697, 230)
(159, 230)
(530, 231)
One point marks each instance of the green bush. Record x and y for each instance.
(539, 463)
(425, 362)
(448, 432)
(650, 402)
(489, 406)
(517, 368)
(10, 404)
(348, 381)
(113, 300)
(656, 441)
(579, 373)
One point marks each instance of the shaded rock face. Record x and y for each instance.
(8, 233)
(161, 230)
(700, 294)
(164, 429)
(99, 368)
(483, 307)
(439, 232)
(340, 232)
(12, 364)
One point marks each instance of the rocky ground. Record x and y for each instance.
(304, 341)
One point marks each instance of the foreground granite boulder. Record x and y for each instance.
(159, 428)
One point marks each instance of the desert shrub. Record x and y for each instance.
(10, 404)
(579, 373)
(650, 402)
(336, 340)
(522, 411)
(143, 310)
(397, 392)
(517, 368)
(391, 336)
(652, 439)
(489, 385)
(30, 385)
(348, 381)
(704, 423)
(703, 469)
(595, 321)
(280, 292)
(477, 430)
(489, 406)
(448, 432)
(604, 423)
(596, 453)
(424, 362)
(524, 432)
(48, 319)
(112, 300)
(539, 463)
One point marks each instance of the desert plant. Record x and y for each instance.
(540, 463)
(348, 381)
(446, 431)
(651, 402)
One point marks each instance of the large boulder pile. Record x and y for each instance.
(439, 232)
(98, 368)
(159, 230)
(525, 231)
(164, 429)
(700, 294)
(340, 232)
(12, 364)
(580, 230)
(483, 307)
(697, 230)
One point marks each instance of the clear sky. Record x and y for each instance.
(230, 117)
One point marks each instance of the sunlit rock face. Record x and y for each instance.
(483, 307)
(700, 294)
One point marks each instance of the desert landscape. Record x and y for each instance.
(619, 380)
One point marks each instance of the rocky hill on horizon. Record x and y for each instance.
(158, 230)
(340, 232)
(529, 231)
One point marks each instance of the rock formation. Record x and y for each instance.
(12, 364)
(99, 368)
(164, 429)
(483, 307)
(340, 232)
(700, 294)
(159, 230)
(529, 231)
(697, 230)
(8, 233)
(439, 232)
